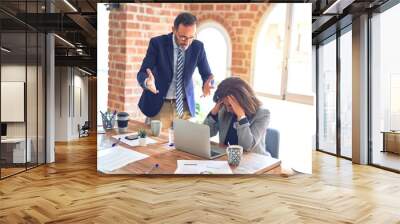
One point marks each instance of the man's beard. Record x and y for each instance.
(180, 46)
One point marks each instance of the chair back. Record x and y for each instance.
(272, 142)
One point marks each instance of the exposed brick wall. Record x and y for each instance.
(132, 26)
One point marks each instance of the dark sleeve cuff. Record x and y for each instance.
(243, 121)
(215, 117)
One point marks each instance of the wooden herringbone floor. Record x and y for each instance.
(71, 191)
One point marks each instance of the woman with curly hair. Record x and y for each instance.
(238, 116)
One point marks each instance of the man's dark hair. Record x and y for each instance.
(186, 19)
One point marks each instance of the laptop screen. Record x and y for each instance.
(3, 129)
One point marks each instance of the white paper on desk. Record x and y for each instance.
(100, 130)
(256, 163)
(116, 157)
(133, 142)
(202, 167)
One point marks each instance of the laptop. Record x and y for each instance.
(195, 139)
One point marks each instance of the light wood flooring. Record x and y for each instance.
(71, 191)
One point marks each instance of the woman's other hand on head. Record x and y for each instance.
(217, 107)
(235, 105)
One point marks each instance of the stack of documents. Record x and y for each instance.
(202, 167)
(133, 142)
(254, 163)
(116, 157)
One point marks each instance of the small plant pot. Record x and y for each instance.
(142, 141)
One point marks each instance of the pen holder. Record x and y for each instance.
(108, 119)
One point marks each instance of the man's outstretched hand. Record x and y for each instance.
(208, 86)
(150, 82)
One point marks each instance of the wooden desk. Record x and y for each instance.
(160, 153)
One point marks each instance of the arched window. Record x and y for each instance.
(217, 45)
(269, 52)
(282, 62)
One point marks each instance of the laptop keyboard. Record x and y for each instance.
(215, 150)
(214, 153)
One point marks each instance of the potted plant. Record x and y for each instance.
(142, 134)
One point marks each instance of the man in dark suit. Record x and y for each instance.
(167, 70)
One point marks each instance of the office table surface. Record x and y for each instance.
(166, 156)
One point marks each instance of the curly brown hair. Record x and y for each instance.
(242, 91)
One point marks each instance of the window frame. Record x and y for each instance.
(284, 93)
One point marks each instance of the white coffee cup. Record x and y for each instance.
(155, 126)
(234, 153)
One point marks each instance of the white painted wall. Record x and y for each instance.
(61, 103)
(80, 94)
(71, 87)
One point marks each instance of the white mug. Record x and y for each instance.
(234, 153)
(155, 126)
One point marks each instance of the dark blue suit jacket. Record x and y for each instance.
(159, 58)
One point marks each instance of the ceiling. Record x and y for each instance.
(332, 15)
(76, 20)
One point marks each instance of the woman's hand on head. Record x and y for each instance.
(216, 108)
(236, 108)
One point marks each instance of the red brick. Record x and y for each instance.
(119, 58)
(132, 26)
(165, 12)
(132, 8)
(207, 7)
(245, 23)
(194, 7)
(157, 5)
(236, 62)
(230, 15)
(254, 7)
(220, 7)
(113, 24)
(131, 33)
(149, 11)
(130, 51)
(148, 18)
(238, 7)
(141, 42)
(238, 55)
(246, 16)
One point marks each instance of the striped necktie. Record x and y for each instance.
(179, 83)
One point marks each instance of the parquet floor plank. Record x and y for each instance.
(71, 191)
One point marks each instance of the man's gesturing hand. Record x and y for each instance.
(208, 86)
(150, 82)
